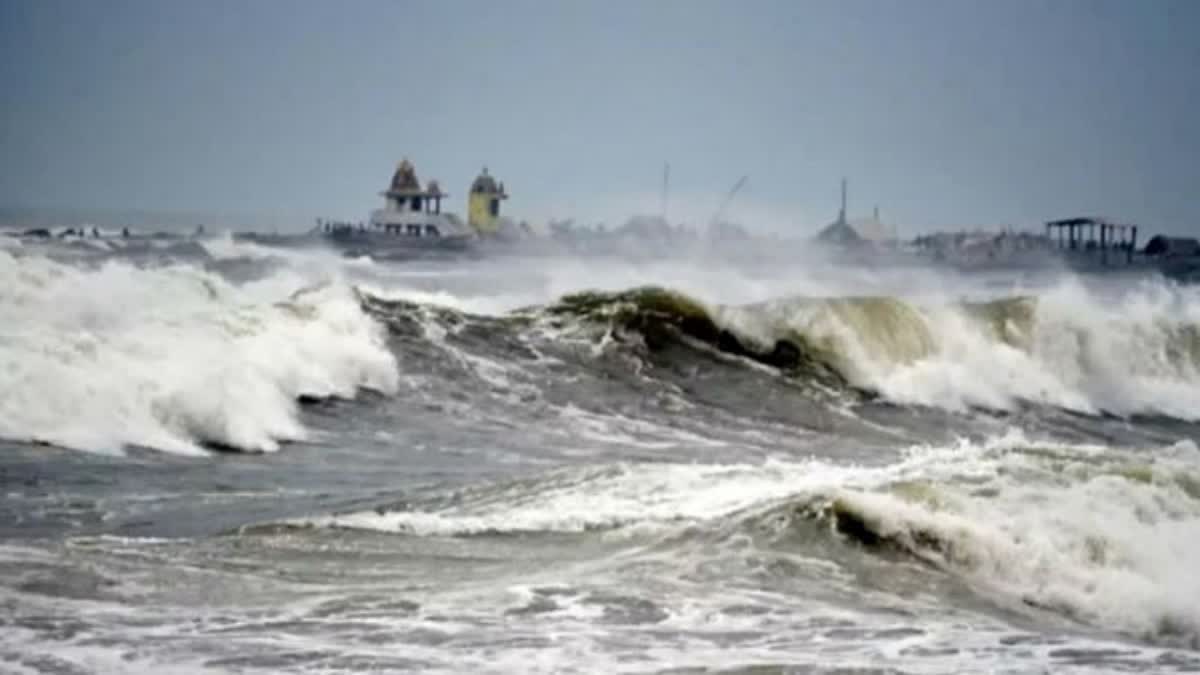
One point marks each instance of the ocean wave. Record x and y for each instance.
(1107, 538)
(1097, 535)
(174, 357)
(1136, 352)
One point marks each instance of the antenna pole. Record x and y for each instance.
(728, 198)
(842, 213)
(666, 188)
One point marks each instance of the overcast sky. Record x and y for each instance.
(949, 113)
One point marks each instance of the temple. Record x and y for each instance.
(405, 193)
(411, 216)
(483, 209)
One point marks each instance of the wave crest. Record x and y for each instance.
(1135, 353)
(174, 357)
(1097, 535)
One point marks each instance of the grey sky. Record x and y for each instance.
(949, 113)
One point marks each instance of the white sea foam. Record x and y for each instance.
(174, 357)
(1111, 539)
(1115, 346)
(1104, 536)
(500, 285)
(1130, 350)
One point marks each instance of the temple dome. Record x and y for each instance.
(405, 178)
(484, 183)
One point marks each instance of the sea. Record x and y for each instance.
(220, 457)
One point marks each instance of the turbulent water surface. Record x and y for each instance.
(219, 458)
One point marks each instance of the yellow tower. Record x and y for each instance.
(483, 211)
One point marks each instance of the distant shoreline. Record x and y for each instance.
(162, 220)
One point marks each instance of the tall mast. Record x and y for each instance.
(842, 213)
(716, 219)
(666, 187)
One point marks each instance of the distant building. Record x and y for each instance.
(980, 246)
(1172, 247)
(483, 209)
(858, 231)
(647, 228)
(726, 232)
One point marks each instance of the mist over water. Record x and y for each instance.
(225, 457)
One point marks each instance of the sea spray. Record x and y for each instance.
(1136, 351)
(1084, 532)
(174, 357)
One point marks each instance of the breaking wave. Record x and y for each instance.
(1096, 535)
(1134, 354)
(174, 357)
(1102, 539)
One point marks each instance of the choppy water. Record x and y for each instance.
(221, 458)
